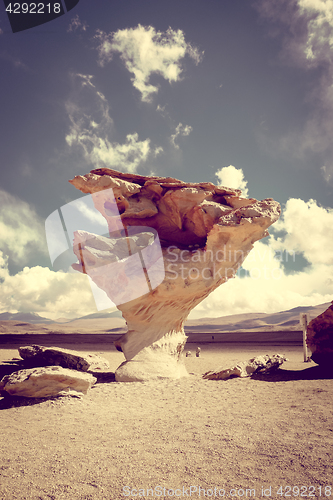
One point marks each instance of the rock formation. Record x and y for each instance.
(259, 364)
(14, 374)
(320, 338)
(187, 238)
(46, 356)
(45, 382)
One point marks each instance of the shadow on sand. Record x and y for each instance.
(7, 401)
(16, 401)
(281, 375)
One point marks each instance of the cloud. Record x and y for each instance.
(273, 293)
(306, 31)
(319, 42)
(308, 230)
(146, 52)
(234, 178)
(265, 283)
(91, 128)
(45, 292)
(77, 24)
(327, 173)
(15, 61)
(22, 232)
(306, 27)
(181, 130)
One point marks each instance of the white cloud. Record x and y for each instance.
(91, 131)
(327, 172)
(77, 24)
(146, 52)
(181, 130)
(277, 292)
(45, 292)
(22, 232)
(306, 31)
(86, 80)
(131, 153)
(17, 63)
(234, 178)
(307, 231)
(319, 42)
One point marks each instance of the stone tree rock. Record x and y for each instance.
(46, 381)
(320, 338)
(204, 232)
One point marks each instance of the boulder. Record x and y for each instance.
(45, 382)
(37, 355)
(259, 364)
(320, 338)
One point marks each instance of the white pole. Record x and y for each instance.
(304, 323)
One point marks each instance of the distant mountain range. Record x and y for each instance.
(113, 321)
(34, 318)
(24, 317)
(284, 320)
(101, 315)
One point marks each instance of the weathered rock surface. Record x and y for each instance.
(38, 355)
(205, 232)
(46, 381)
(320, 338)
(259, 364)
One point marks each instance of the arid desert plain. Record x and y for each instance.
(268, 436)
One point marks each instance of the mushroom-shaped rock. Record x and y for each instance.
(320, 338)
(171, 244)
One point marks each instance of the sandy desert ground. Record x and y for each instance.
(270, 436)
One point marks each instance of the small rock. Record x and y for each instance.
(197, 352)
(188, 354)
(46, 381)
(259, 364)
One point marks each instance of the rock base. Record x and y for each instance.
(148, 365)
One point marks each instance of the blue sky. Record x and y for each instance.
(175, 88)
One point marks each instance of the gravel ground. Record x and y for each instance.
(189, 438)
